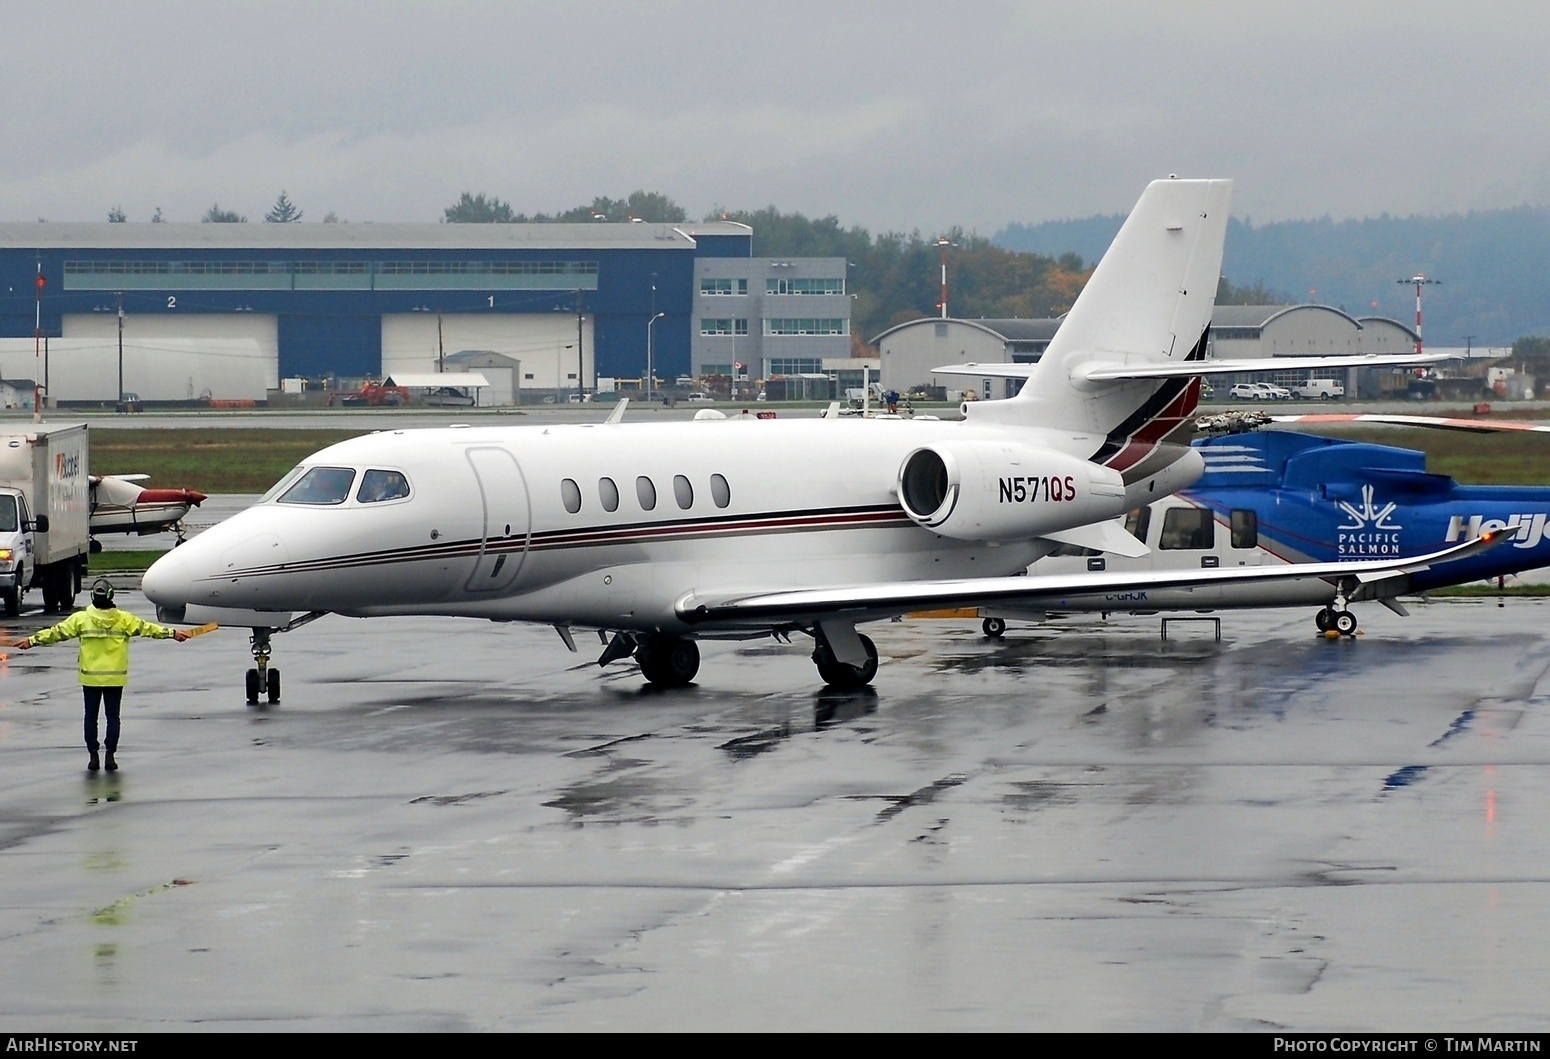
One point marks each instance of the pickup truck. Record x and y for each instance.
(45, 510)
(1319, 389)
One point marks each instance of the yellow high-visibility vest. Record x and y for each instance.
(104, 636)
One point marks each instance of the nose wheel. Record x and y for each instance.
(261, 679)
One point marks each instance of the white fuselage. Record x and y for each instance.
(486, 530)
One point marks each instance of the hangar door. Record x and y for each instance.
(545, 343)
(173, 356)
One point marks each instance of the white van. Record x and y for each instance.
(1319, 389)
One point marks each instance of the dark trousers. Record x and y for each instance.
(112, 697)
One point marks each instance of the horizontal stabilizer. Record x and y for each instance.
(992, 371)
(1478, 426)
(1104, 537)
(1113, 372)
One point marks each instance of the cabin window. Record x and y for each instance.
(570, 495)
(683, 492)
(608, 493)
(720, 491)
(1188, 528)
(321, 485)
(8, 514)
(646, 493)
(1245, 529)
(1138, 522)
(377, 486)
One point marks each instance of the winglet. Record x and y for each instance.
(617, 415)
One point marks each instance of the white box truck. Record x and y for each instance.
(45, 514)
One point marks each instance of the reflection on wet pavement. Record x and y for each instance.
(1080, 826)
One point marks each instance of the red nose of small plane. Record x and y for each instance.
(171, 496)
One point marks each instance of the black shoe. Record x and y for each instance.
(111, 764)
(93, 765)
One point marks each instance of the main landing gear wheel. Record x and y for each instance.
(841, 675)
(1331, 620)
(995, 628)
(668, 661)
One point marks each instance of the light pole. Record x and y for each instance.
(651, 377)
(121, 350)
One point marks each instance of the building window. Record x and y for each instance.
(646, 493)
(804, 286)
(608, 493)
(720, 492)
(714, 287)
(715, 369)
(807, 326)
(570, 494)
(795, 366)
(724, 325)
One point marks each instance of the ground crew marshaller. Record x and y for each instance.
(104, 632)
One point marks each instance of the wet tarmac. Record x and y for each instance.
(452, 825)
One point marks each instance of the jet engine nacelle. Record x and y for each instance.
(994, 491)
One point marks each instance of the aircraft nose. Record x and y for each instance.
(168, 583)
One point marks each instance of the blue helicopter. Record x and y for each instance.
(1277, 496)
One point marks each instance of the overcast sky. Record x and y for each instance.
(889, 115)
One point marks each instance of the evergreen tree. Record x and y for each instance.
(156, 217)
(283, 211)
(116, 215)
(216, 215)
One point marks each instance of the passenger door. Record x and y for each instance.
(507, 519)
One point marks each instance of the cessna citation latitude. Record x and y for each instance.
(642, 532)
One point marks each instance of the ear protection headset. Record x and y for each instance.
(102, 593)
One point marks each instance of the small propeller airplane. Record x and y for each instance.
(1270, 498)
(119, 504)
(658, 535)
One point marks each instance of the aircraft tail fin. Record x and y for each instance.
(1148, 302)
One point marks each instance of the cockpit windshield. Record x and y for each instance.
(282, 485)
(377, 486)
(321, 485)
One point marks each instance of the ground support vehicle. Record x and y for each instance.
(45, 511)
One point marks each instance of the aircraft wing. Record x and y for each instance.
(870, 601)
(1479, 426)
(1115, 371)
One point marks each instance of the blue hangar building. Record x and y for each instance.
(358, 300)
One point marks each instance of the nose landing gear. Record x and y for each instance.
(262, 679)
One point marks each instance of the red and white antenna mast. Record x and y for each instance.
(943, 243)
(1419, 281)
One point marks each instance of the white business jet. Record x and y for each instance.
(659, 535)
